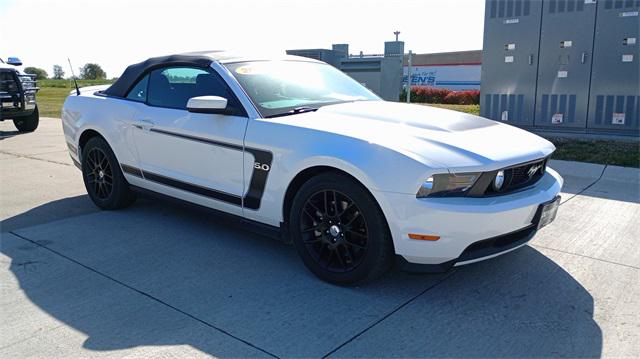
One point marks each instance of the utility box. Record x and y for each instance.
(562, 65)
(510, 60)
(614, 103)
(566, 50)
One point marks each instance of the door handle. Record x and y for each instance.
(583, 59)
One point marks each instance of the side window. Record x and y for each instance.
(139, 91)
(173, 87)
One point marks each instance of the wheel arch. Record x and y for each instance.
(85, 136)
(306, 174)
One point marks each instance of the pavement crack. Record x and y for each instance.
(584, 256)
(357, 335)
(32, 335)
(586, 188)
(34, 158)
(160, 301)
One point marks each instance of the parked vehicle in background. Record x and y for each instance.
(293, 144)
(18, 96)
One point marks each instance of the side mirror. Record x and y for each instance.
(14, 61)
(207, 104)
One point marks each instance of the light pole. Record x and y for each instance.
(409, 76)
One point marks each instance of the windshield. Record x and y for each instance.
(282, 87)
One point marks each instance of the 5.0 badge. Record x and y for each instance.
(261, 166)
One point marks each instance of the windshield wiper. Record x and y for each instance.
(295, 111)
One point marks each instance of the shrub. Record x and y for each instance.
(470, 97)
(423, 94)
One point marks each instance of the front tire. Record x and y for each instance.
(102, 176)
(28, 123)
(339, 231)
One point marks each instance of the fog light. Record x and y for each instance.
(498, 182)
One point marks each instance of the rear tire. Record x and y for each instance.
(28, 123)
(339, 231)
(103, 178)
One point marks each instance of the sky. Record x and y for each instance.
(116, 33)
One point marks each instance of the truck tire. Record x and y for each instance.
(28, 123)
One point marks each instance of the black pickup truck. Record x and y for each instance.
(18, 96)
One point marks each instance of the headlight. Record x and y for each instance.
(442, 185)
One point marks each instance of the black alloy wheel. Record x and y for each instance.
(103, 178)
(100, 175)
(339, 230)
(334, 230)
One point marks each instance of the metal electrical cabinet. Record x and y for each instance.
(509, 62)
(566, 42)
(615, 82)
(563, 65)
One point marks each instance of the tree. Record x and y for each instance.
(58, 73)
(40, 73)
(92, 72)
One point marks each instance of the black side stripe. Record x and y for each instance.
(131, 170)
(203, 191)
(76, 163)
(258, 178)
(257, 183)
(72, 148)
(198, 139)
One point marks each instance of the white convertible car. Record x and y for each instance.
(295, 145)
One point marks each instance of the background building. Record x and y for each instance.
(381, 73)
(332, 57)
(386, 74)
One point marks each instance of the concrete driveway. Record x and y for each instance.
(166, 280)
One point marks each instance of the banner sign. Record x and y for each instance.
(452, 77)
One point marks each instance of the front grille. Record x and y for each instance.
(520, 176)
(491, 246)
(515, 178)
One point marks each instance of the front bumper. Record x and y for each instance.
(10, 114)
(16, 105)
(17, 98)
(470, 229)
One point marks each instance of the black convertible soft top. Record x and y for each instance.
(134, 72)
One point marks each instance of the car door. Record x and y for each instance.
(193, 156)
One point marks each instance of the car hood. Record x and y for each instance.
(433, 136)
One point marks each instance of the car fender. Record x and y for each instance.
(350, 169)
(296, 149)
(110, 118)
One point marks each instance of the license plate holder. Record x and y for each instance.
(547, 212)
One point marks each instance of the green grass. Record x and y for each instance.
(472, 109)
(616, 153)
(53, 93)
